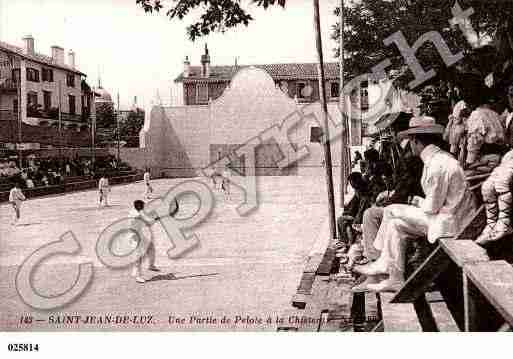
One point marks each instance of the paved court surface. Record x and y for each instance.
(245, 269)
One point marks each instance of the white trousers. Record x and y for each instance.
(149, 190)
(150, 254)
(400, 222)
(104, 196)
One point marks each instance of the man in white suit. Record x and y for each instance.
(441, 213)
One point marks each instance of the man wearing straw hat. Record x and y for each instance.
(448, 201)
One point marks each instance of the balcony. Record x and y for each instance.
(71, 117)
(7, 115)
(35, 111)
(8, 85)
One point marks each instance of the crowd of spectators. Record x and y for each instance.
(53, 171)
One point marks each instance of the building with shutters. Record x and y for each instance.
(34, 87)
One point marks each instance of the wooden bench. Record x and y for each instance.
(489, 283)
(478, 292)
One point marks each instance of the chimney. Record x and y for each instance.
(186, 67)
(58, 55)
(29, 45)
(71, 59)
(205, 62)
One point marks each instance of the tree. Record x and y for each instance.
(105, 115)
(218, 15)
(369, 22)
(129, 129)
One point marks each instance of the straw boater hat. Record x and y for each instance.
(423, 124)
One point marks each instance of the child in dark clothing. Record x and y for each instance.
(353, 211)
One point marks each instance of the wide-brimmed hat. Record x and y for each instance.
(423, 124)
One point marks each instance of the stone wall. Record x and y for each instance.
(180, 141)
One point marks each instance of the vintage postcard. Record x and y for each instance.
(246, 166)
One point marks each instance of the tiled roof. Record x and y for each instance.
(40, 58)
(277, 71)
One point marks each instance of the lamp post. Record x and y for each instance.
(344, 138)
(326, 134)
(60, 123)
(118, 116)
(20, 119)
(93, 130)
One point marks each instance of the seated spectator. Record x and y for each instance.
(507, 114)
(356, 161)
(407, 186)
(448, 201)
(485, 135)
(353, 211)
(29, 183)
(45, 181)
(58, 177)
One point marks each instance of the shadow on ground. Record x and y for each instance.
(171, 276)
(96, 208)
(28, 224)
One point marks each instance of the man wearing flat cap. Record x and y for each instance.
(448, 201)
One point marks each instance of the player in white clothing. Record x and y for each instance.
(141, 219)
(103, 189)
(149, 189)
(225, 184)
(15, 198)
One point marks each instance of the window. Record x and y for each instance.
(47, 75)
(47, 100)
(364, 99)
(202, 93)
(32, 105)
(72, 105)
(32, 98)
(364, 96)
(70, 80)
(15, 107)
(301, 89)
(315, 134)
(16, 75)
(334, 89)
(32, 75)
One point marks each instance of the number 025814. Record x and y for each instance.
(23, 347)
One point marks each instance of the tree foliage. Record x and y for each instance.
(369, 22)
(130, 128)
(217, 15)
(105, 115)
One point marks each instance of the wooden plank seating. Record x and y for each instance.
(441, 313)
(398, 317)
(300, 299)
(403, 317)
(493, 282)
(326, 266)
(304, 290)
(313, 263)
(444, 268)
(478, 292)
(435, 264)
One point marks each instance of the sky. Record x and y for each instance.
(139, 54)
